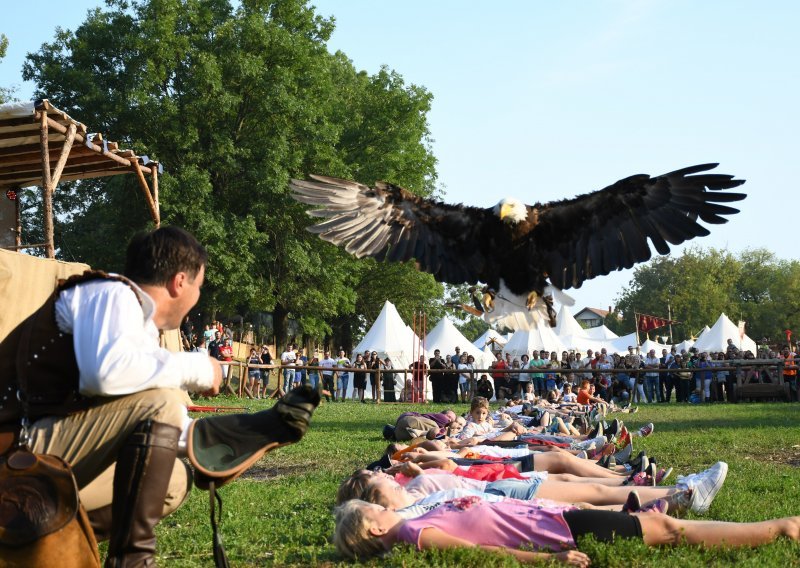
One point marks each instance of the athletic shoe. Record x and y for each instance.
(662, 475)
(704, 485)
(680, 502)
(613, 429)
(646, 430)
(624, 455)
(657, 506)
(596, 431)
(641, 479)
(637, 461)
(632, 503)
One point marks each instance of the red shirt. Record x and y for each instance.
(583, 397)
(501, 364)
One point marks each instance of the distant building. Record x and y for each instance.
(592, 317)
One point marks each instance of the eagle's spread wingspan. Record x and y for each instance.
(566, 241)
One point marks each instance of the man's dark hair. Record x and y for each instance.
(155, 257)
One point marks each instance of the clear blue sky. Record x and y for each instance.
(545, 100)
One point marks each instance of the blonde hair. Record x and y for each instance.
(351, 535)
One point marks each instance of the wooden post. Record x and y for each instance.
(62, 159)
(18, 228)
(154, 188)
(146, 190)
(47, 186)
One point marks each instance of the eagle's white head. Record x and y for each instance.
(511, 210)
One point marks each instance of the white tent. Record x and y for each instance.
(716, 338)
(684, 345)
(702, 332)
(539, 338)
(649, 344)
(567, 325)
(492, 335)
(445, 337)
(581, 343)
(621, 344)
(600, 333)
(390, 337)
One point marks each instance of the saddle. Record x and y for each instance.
(41, 515)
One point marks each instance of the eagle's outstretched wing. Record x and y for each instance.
(607, 230)
(388, 222)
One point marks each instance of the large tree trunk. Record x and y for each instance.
(343, 334)
(280, 325)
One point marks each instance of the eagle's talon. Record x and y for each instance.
(531, 301)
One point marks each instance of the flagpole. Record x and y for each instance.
(638, 344)
(669, 316)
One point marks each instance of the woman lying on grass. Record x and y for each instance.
(364, 530)
(694, 492)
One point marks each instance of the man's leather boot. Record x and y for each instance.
(141, 480)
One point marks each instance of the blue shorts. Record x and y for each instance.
(514, 488)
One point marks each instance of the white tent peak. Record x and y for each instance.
(527, 340)
(445, 337)
(492, 335)
(567, 325)
(716, 338)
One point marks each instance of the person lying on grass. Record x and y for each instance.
(694, 492)
(363, 530)
(551, 461)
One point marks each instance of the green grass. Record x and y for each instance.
(279, 513)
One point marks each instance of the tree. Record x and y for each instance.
(700, 284)
(5, 92)
(234, 102)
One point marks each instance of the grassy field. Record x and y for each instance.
(279, 513)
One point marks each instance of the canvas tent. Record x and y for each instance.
(390, 337)
(567, 325)
(527, 340)
(600, 333)
(445, 337)
(716, 338)
(490, 337)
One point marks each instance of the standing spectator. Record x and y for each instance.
(208, 336)
(538, 378)
(343, 377)
(684, 379)
(456, 358)
(703, 377)
(513, 379)
(437, 379)
(498, 376)
(299, 374)
(288, 359)
(375, 365)
(328, 386)
(388, 380)
(652, 387)
(254, 374)
(226, 356)
(464, 379)
(359, 378)
(266, 359)
(588, 363)
(418, 372)
(524, 377)
(789, 373)
(313, 374)
(449, 379)
(214, 345)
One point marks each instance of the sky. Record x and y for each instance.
(543, 100)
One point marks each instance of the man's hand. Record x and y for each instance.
(214, 390)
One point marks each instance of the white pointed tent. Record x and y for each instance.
(581, 343)
(621, 344)
(390, 337)
(525, 341)
(684, 345)
(567, 325)
(649, 344)
(716, 338)
(600, 333)
(484, 339)
(445, 337)
(702, 332)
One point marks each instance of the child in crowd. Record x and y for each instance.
(529, 395)
(481, 426)
(364, 529)
(569, 396)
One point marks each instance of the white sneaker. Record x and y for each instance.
(704, 485)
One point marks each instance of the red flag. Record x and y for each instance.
(646, 323)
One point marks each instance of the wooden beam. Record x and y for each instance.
(146, 190)
(62, 160)
(78, 172)
(154, 187)
(36, 157)
(47, 186)
(19, 149)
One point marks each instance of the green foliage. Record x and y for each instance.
(5, 92)
(700, 284)
(279, 512)
(235, 99)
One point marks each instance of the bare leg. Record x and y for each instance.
(661, 529)
(597, 493)
(563, 463)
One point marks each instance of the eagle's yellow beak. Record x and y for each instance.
(505, 210)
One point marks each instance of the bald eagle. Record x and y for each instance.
(522, 254)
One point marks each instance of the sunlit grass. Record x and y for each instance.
(280, 512)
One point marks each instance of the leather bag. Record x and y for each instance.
(42, 522)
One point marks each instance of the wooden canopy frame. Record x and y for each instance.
(34, 135)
